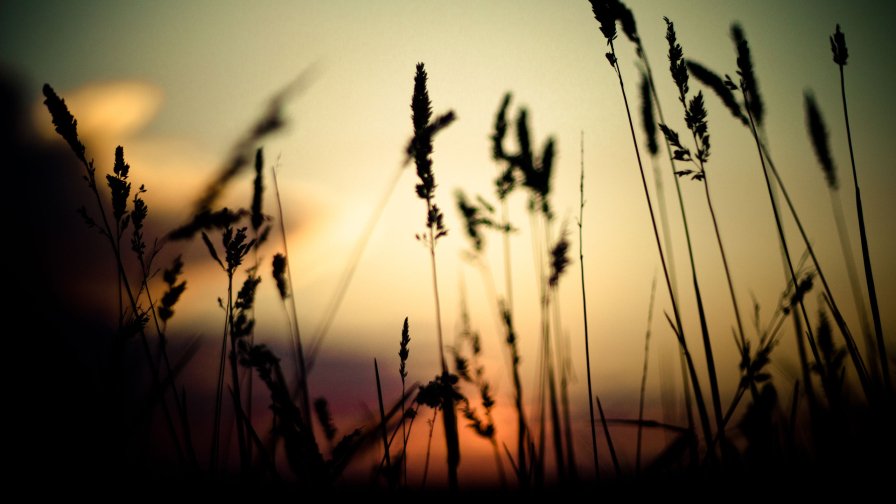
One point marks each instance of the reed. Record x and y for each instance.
(420, 149)
(606, 13)
(841, 54)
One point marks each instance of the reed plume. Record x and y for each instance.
(420, 150)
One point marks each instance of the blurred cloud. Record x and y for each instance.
(106, 110)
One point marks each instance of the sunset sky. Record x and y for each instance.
(177, 83)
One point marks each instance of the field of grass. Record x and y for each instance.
(122, 399)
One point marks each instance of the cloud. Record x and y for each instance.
(107, 110)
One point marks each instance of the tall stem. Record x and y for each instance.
(783, 240)
(449, 418)
(508, 275)
(847, 336)
(687, 234)
(301, 371)
(179, 399)
(866, 257)
(710, 362)
(854, 284)
(219, 395)
(551, 367)
(235, 380)
(644, 375)
(701, 406)
(585, 309)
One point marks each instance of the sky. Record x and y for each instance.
(177, 83)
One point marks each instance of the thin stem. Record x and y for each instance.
(522, 428)
(435, 291)
(219, 393)
(235, 380)
(704, 329)
(180, 399)
(508, 275)
(348, 274)
(379, 396)
(783, 240)
(542, 364)
(300, 354)
(610, 445)
(585, 308)
(866, 257)
(404, 432)
(452, 442)
(550, 368)
(710, 362)
(659, 110)
(644, 374)
(844, 329)
(432, 425)
(701, 407)
(707, 342)
(853, 275)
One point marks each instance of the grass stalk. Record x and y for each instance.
(66, 127)
(432, 425)
(585, 306)
(783, 240)
(402, 371)
(855, 356)
(235, 381)
(838, 46)
(379, 396)
(348, 273)
(219, 394)
(522, 428)
(642, 54)
(858, 299)
(550, 370)
(695, 118)
(420, 148)
(610, 445)
(607, 18)
(299, 354)
(644, 375)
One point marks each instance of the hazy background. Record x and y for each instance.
(176, 83)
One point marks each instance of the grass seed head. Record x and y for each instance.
(647, 117)
(605, 14)
(119, 187)
(747, 75)
(714, 82)
(838, 47)
(258, 191)
(819, 135)
(279, 274)
(66, 124)
(403, 351)
(559, 259)
(676, 61)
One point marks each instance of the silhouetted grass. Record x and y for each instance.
(420, 149)
(759, 436)
(66, 127)
(606, 13)
(841, 54)
(644, 375)
(585, 307)
(819, 136)
(695, 116)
